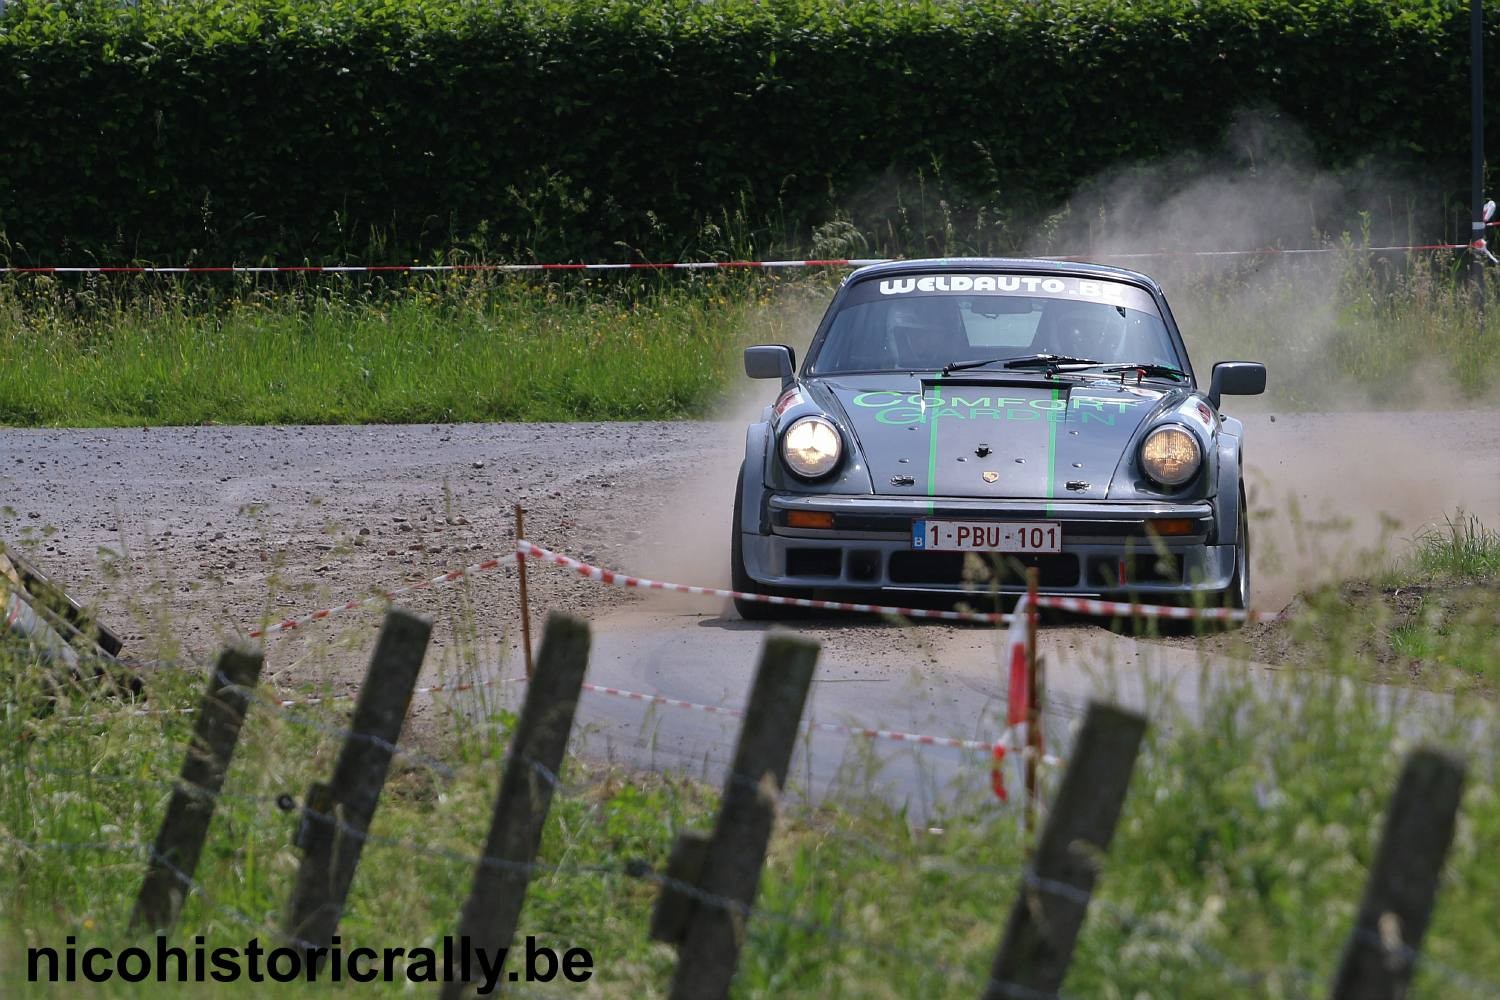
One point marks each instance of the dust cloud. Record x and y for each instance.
(1259, 192)
(689, 541)
(1335, 495)
(1340, 475)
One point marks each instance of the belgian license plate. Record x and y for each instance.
(986, 536)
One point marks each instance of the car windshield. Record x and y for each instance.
(929, 322)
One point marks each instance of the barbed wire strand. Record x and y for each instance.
(298, 718)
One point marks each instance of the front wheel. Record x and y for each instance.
(739, 578)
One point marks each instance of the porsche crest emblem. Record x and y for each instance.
(990, 477)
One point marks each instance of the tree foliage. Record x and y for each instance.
(576, 128)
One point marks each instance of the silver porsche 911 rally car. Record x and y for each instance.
(957, 421)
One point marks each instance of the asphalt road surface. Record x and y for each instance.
(186, 536)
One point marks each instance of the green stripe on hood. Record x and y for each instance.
(1049, 488)
(932, 452)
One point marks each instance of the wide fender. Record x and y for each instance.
(1191, 414)
(753, 514)
(852, 478)
(1227, 499)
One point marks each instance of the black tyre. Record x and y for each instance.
(1238, 594)
(739, 579)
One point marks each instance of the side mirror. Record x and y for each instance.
(1236, 378)
(770, 361)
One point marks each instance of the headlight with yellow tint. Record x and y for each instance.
(1170, 455)
(811, 447)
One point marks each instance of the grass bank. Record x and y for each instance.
(1430, 618)
(443, 351)
(1336, 332)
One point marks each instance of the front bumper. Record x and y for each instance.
(1108, 549)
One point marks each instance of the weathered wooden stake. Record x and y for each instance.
(53, 601)
(525, 601)
(1382, 951)
(536, 752)
(1049, 911)
(336, 816)
(174, 857)
(709, 931)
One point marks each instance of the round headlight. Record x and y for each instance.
(811, 447)
(1170, 455)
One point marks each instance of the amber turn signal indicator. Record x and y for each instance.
(1173, 526)
(808, 519)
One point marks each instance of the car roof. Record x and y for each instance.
(1033, 265)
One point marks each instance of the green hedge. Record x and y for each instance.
(573, 128)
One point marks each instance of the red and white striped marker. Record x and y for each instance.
(385, 596)
(1017, 700)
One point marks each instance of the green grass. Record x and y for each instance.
(449, 351)
(1445, 604)
(1334, 332)
(1236, 870)
(1460, 549)
(1429, 618)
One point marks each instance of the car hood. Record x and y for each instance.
(1020, 437)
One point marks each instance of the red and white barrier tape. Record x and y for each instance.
(1012, 740)
(951, 742)
(452, 576)
(1124, 609)
(1078, 605)
(711, 265)
(325, 698)
(865, 732)
(429, 689)
(1265, 252)
(614, 579)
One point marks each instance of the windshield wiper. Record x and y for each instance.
(1149, 370)
(1062, 364)
(1048, 361)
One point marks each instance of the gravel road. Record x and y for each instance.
(186, 536)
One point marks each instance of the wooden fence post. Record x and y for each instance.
(54, 603)
(174, 857)
(336, 816)
(531, 768)
(1382, 950)
(1050, 908)
(709, 933)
